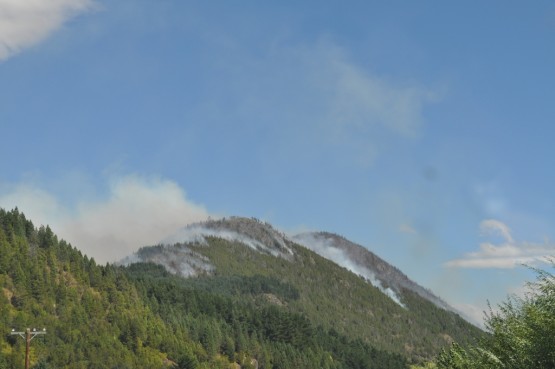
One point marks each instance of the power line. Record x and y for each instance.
(28, 335)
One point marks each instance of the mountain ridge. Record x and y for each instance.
(386, 310)
(386, 273)
(262, 236)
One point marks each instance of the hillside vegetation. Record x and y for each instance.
(521, 334)
(328, 295)
(143, 317)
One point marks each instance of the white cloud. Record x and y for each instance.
(360, 98)
(407, 228)
(318, 100)
(354, 100)
(492, 226)
(24, 23)
(508, 254)
(138, 211)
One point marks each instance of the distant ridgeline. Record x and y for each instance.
(251, 310)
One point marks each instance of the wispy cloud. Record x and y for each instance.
(407, 228)
(359, 97)
(492, 226)
(318, 93)
(509, 253)
(24, 23)
(357, 108)
(138, 211)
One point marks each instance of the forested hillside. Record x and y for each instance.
(144, 317)
(364, 262)
(250, 261)
(93, 315)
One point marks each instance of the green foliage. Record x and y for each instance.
(522, 333)
(254, 285)
(257, 310)
(241, 328)
(93, 314)
(335, 298)
(41, 365)
(187, 360)
(112, 317)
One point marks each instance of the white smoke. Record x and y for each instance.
(325, 248)
(198, 234)
(137, 211)
(179, 260)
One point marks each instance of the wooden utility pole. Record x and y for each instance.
(28, 335)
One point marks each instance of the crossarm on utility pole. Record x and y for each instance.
(28, 335)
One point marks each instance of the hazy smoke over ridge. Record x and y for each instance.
(177, 260)
(325, 248)
(197, 234)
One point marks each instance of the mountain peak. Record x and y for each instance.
(179, 258)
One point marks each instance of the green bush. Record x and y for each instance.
(522, 333)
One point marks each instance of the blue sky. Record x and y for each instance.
(422, 130)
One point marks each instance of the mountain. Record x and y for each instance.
(358, 296)
(240, 295)
(142, 316)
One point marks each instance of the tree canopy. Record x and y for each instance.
(522, 333)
